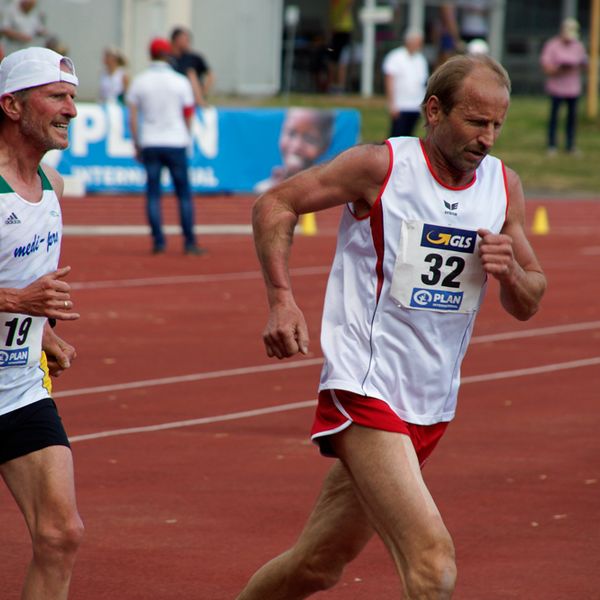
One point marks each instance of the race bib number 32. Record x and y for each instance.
(437, 268)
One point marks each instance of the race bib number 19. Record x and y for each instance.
(20, 340)
(437, 268)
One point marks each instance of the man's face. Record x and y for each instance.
(301, 141)
(413, 43)
(183, 41)
(110, 60)
(467, 134)
(47, 111)
(569, 31)
(27, 5)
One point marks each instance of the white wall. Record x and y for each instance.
(240, 39)
(86, 27)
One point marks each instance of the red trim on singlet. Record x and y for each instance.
(377, 225)
(505, 190)
(378, 243)
(338, 409)
(448, 187)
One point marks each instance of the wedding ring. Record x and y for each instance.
(66, 304)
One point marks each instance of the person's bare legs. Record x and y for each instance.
(381, 486)
(335, 533)
(387, 476)
(42, 483)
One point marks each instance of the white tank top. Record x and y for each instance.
(30, 238)
(406, 284)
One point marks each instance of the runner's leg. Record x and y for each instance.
(387, 476)
(42, 483)
(334, 534)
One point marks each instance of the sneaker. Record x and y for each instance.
(551, 151)
(158, 250)
(195, 251)
(576, 152)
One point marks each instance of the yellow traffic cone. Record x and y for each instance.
(540, 225)
(308, 224)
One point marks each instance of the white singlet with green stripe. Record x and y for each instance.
(30, 238)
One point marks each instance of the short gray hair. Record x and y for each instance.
(413, 32)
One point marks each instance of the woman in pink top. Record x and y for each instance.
(562, 59)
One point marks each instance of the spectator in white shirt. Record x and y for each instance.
(406, 71)
(161, 106)
(114, 78)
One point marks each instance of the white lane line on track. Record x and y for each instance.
(110, 230)
(574, 364)
(191, 422)
(590, 251)
(180, 279)
(279, 366)
(535, 332)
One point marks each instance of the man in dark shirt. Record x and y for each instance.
(191, 64)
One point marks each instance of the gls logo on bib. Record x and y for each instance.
(448, 238)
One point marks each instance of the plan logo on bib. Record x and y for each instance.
(14, 358)
(436, 299)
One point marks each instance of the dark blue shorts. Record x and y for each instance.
(31, 428)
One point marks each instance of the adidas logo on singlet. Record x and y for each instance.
(12, 220)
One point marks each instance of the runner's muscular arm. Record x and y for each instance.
(354, 176)
(509, 257)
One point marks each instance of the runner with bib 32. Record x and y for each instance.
(426, 223)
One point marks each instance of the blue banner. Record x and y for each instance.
(232, 150)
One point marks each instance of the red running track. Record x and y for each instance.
(192, 459)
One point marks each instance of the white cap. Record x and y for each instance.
(478, 46)
(32, 67)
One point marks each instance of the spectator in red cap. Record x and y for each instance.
(161, 106)
(160, 48)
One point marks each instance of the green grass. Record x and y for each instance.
(522, 147)
(522, 144)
